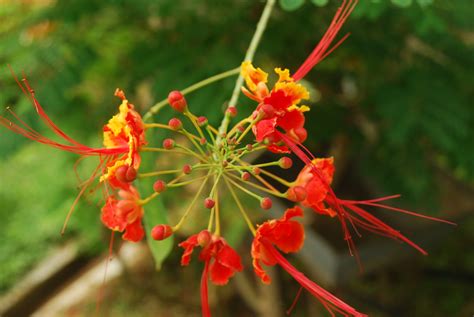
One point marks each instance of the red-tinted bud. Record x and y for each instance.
(267, 110)
(168, 144)
(225, 163)
(187, 169)
(249, 147)
(285, 162)
(245, 176)
(296, 193)
(131, 174)
(120, 173)
(177, 101)
(203, 141)
(159, 186)
(126, 174)
(241, 128)
(175, 124)
(266, 203)
(202, 121)
(209, 203)
(256, 170)
(231, 111)
(161, 232)
(203, 238)
(301, 134)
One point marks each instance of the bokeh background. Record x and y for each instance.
(394, 103)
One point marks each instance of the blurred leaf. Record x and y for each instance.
(402, 3)
(291, 5)
(320, 3)
(154, 215)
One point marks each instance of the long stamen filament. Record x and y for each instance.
(241, 208)
(193, 202)
(161, 104)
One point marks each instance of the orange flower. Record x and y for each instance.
(123, 136)
(125, 129)
(124, 214)
(279, 107)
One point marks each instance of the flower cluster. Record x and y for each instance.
(217, 158)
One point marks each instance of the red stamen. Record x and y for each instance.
(297, 297)
(206, 312)
(331, 302)
(322, 50)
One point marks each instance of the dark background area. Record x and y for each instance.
(393, 103)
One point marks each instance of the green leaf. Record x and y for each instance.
(154, 215)
(424, 3)
(291, 5)
(320, 3)
(402, 3)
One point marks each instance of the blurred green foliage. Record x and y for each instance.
(399, 89)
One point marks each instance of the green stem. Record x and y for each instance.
(257, 36)
(241, 208)
(271, 192)
(158, 106)
(245, 190)
(186, 213)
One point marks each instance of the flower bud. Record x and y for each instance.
(285, 162)
(159, 186)
(266, 203)
(202, 141)
(168, 144)
(296, 193)
(249, 147)
(231, 111)
(187, 169)
(245, 176)
(209, 203)
(126, 174)
(267, 110)
(177, 101)
(256, 170)
(161, 232)
(203, 238)
(300, 133)
(175, 124)
(202, 121)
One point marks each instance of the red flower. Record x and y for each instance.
(221, 261)
(316, 178)
(316, 191)
(124, 214)
(288, 236)
(123, 136)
